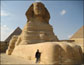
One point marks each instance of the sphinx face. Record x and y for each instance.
(38, 9)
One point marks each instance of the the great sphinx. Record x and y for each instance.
(38, 30)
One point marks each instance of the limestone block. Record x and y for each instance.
(79, 41)
(51, 52)
(18, 40)
(11, 45)
(9, 51)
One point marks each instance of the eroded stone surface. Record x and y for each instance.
(38, 11)
(37, 29)
(38, 34)
(11, 45)
(78, 37)
(51, 52)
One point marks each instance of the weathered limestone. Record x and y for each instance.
(80, 42)
(38, 11)
(51, 52)
(38, 34)
(37, 28)
(79, 37)
(11, 45)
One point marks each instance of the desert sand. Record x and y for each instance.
(10, 59)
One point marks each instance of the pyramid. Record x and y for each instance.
(17, 31)
(78, 37)
(79, 33)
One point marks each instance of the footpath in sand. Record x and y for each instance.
(9, 59)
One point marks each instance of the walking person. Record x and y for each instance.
(37, 56)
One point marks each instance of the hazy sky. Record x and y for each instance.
(66, 16)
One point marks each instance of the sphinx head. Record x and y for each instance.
(38, 9)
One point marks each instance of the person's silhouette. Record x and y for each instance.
(37, 56)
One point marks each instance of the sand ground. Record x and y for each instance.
(9, 59)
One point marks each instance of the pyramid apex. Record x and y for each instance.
(17, 31)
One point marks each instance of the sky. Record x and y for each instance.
(66, 16)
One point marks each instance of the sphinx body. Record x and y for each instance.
(37, 28)
(53, 53)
